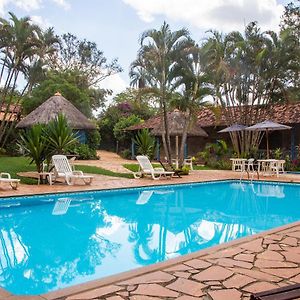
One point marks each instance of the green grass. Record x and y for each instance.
(135, 167)
(14, 165)
(101, 171)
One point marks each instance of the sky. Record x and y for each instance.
(116, 25)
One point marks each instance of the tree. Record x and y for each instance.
(72, 86)
(159, 49)
(126, 103)
(84, 57)
(24, 47)
(245, 72)
(192, 83)
(125, 122)
(290, 33)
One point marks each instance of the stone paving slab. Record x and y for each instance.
(203, 275)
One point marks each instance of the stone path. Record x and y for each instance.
(232, 271)
(108, 160)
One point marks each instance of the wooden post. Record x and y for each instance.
(177, 150)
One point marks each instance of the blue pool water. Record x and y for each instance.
(54, 241)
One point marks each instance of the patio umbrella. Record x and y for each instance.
(268, 126)
(233, 128)
(235, 131)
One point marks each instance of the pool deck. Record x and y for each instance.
(229, 271)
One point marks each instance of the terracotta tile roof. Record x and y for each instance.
(13, 113)
(211, 117)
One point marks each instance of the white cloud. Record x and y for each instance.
(40, 21)
(63, 3)
(114, 83)
(30, 5)
(224, 15)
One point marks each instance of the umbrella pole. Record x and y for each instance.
(267, 137)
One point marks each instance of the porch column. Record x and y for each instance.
(185, 150)
(293, 148)
(132, 149)
(157, 148)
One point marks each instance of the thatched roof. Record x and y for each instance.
(176, 121)
(50, 109)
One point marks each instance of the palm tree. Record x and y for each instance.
(193, 84)
(157, 54)
(23, 47)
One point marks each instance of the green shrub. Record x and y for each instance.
(145, 143)
(84, 152)
(126, 153)
(93, 139)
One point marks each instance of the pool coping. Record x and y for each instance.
(113, 279)
(268, 181)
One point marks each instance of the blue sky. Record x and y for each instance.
(115, 25)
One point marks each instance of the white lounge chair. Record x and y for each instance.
(147, 169)
(5, 178)
(62, 169)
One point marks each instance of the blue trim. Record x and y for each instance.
(293, 148)
(185, 150)
(157, 148)
(132, 149)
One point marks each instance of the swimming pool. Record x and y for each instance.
(58, 240)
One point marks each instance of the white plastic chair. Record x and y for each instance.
(63, 169)
(6, 178)
(147, 169)
(188, 162)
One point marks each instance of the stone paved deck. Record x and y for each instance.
(229, 271)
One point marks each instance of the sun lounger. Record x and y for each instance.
(170, 168)
(62, 169)
(5, 178)
(147, 169)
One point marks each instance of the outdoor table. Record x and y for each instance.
(238, 164)
(264, 166)
(44, 175)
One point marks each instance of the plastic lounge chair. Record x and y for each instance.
(61, 206)
(144, 197)
(170, 168)
(147, 169)
(62, 169)
(5, 178)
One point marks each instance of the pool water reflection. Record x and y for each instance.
(54, 241)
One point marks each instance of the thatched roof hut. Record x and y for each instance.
(176, 120)
(50, 109)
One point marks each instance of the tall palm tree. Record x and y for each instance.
(193, 85)
(158, 51)
(23, 47)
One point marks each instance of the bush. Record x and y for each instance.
(145, 143)
(84, 152)
(93, 139)
(126, 153)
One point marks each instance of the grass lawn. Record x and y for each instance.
(101, 171)
(135, 167)
(14, 165)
